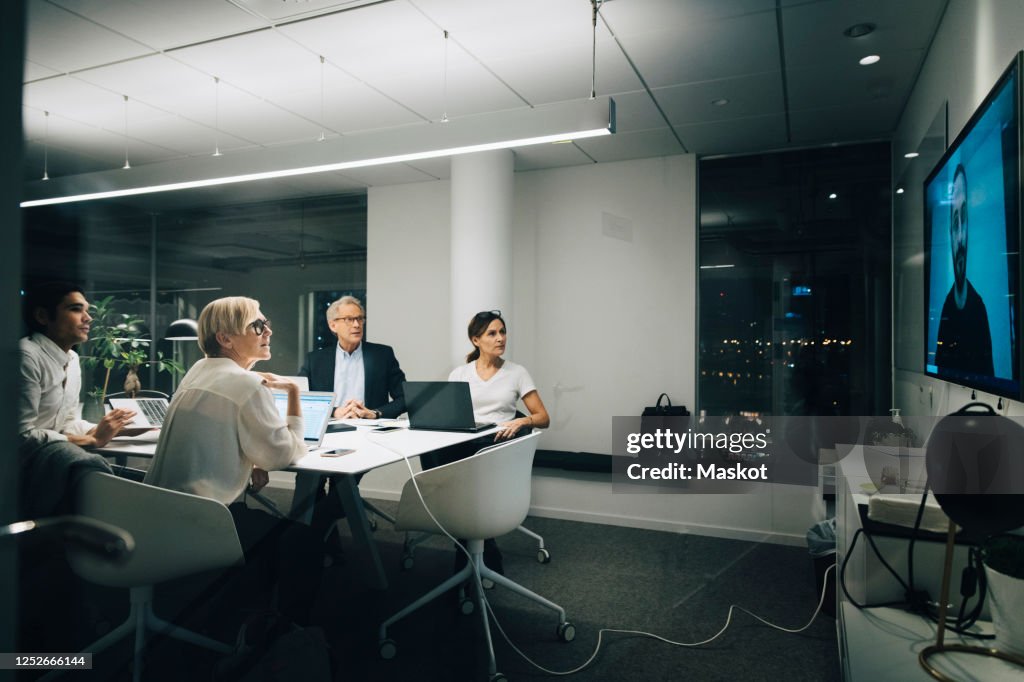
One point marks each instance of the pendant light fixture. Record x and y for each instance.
(216, 116)
(46, 144)
(323, 135)
(593, 50)
(444, 82)
(126, 166)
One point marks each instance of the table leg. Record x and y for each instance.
(362, 539)
(304, 496)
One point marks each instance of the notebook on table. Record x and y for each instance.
(441, 406)
(149, 412)
(317, 408)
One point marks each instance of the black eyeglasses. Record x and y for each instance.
(259, 326)
(488, 315)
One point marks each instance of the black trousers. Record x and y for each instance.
(279, 553)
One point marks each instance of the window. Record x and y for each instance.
(794, 282)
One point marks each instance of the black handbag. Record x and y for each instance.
(666, 410)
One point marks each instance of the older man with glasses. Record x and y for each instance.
(365, 379)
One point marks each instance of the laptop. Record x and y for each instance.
(149, 412)
(317, 407)
(441, 406)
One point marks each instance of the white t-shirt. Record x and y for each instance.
(222, 421)
(495, 400)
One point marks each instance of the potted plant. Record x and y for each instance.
(117, 342)
(1003, 556)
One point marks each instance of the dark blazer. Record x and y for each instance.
(383, 377)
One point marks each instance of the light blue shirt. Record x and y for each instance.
(349, 376)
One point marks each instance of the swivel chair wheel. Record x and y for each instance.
(466, 606)
(373, 524)
(498, 677)
(387, 649)
(487, 583)
(566, 631)
(543, 556)
(408, 561)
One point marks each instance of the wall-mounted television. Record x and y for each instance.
(972, 227)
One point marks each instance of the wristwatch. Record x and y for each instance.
(377, 414)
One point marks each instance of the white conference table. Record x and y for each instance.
(370, 450)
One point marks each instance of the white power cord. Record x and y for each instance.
(419, 494)
(600, 633)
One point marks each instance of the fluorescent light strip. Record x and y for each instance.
(308, 170)
(717, 267)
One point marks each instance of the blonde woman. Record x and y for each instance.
(223, 433)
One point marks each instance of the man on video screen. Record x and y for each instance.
(965, 342)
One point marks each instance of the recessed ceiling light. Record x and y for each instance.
(859, 30)
(911, 155)
(899, 190)
(870, 59)
(833, 196)
(720, 102)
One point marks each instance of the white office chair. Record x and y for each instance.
(479, 497)
(176, 534)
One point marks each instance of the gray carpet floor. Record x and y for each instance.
(676, 586)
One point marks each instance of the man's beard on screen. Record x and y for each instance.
(960, 267)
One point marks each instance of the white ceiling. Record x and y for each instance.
(790, 76)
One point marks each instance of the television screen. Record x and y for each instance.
(971, 233)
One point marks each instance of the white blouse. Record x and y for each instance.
(221, 423)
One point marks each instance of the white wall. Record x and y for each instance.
(975, 42)
(604, 322)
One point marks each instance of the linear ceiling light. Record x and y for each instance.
(515, 128)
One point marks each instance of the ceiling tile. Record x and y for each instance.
(161, 24)
(674, 54)
(60, 40)
(391, 174)
(440, 169)
(407, 62)
(814, 31)
(262, 63)
(735, 136)
(35, 71)
(841, 124)
(751, 95)
(550, 156)
(822, 85)
(637, 111)
(642, 16)
(564, 72)
(623, 146)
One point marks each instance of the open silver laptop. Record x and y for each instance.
(317, 407)
(149, 412)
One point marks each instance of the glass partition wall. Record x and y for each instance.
(794, 282)
(160, 267)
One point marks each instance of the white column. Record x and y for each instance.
(481, 240)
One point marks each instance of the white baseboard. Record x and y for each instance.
(644, 523)
(607, 519)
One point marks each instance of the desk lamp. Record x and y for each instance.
(975, 460)
(180, 330)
